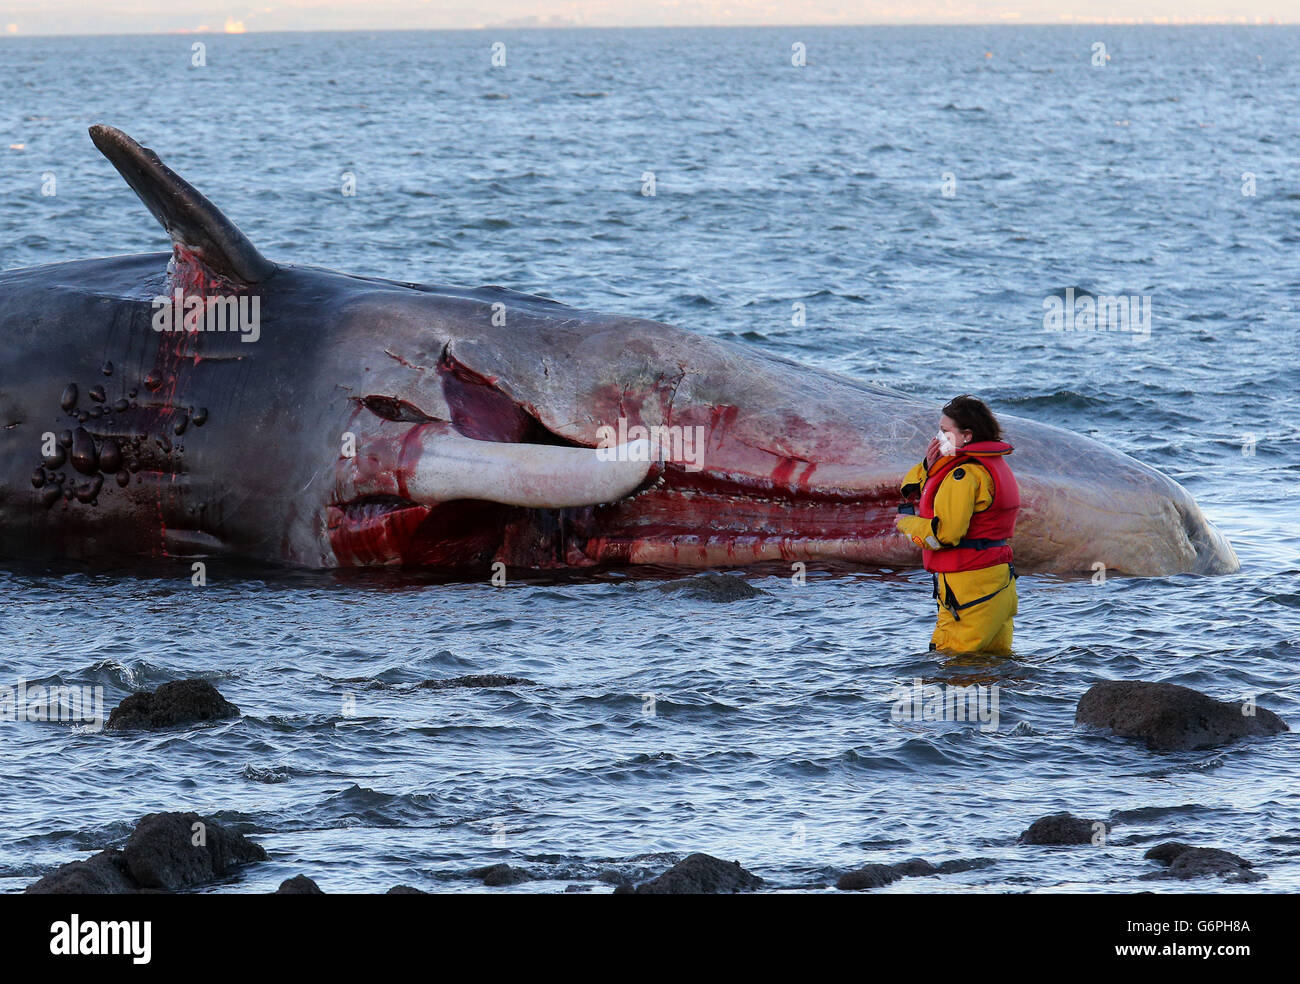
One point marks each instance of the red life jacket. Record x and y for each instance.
(996, 523)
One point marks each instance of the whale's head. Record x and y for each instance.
(497, 426)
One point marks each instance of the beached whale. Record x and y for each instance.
(210, 402)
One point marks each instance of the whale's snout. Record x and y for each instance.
(1213, 553)
(1088, 508)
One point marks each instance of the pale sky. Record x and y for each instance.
(18, 17)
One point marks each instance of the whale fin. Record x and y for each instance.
(190, 219)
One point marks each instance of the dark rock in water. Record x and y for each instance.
(172, 704)
(611, 877)
(103, 874)
(1166, 852)
(1185, 861)
(171, 851)
(475, 680)
(712, 587)
(573, 889)
(1172, 718)
(698, 874)
(165, 853)
(1061, 828)
(298, 885)
(501, 874)
(878, 875)
(621, 882)
(914, 867)
(405, 890)
(962, 864)
(871, 876)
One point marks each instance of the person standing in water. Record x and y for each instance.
(965, 516)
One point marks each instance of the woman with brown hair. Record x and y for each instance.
(964, 516)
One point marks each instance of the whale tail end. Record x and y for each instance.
(191, 220)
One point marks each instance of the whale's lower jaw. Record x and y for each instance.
(686, 519)
(699, 520)
(680, 519)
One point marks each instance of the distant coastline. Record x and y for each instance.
(561, 24)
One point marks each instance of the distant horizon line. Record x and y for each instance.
(222, 32)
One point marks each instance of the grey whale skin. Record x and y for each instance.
(373, 422)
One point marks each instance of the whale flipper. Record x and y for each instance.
(190, 219)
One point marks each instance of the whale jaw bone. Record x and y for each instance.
(537, 476)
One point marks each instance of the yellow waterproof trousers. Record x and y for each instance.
(984, 627)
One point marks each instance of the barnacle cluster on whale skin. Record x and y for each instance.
(95, 458)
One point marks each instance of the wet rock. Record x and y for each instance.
(1172, 718)
(475, 680)
(171, 851)
(573, 889)
(870, 876)
(712, 587)
(1061, 828)
(298, 885)
(611, 877)
(103, 874)
(172, 704)
(878, 875)
(1185, 861)
(166, 852)
(495, 875)
(962, 864)
(698, 874)
(405, 890)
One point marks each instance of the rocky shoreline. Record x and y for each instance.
(177, 852)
